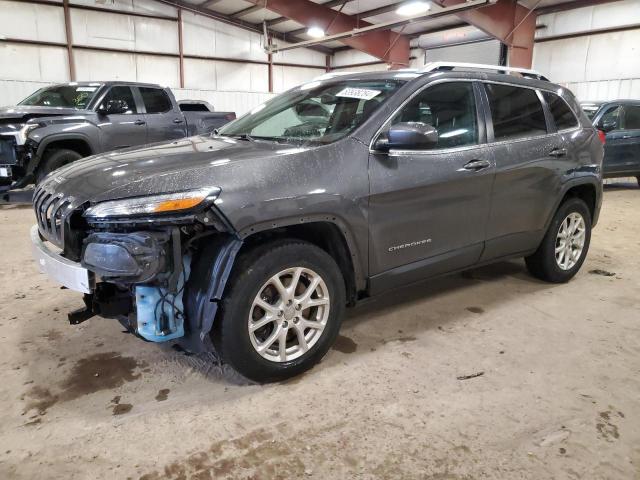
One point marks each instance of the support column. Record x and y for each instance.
(69, 38)
(180, 48)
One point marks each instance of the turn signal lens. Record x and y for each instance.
(172, 205)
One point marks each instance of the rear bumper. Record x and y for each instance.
(64, 271)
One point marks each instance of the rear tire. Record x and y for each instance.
(256, 311)
(638, 180)
(563, 251)
(54, 159)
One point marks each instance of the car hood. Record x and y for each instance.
(25, 112)
(190, 163)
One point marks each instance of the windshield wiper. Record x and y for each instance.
(243, 136)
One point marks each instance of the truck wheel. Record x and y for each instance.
(282, 311)
(565, 245)
(54, 159)
(638, 180)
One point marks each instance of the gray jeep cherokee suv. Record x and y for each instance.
(252, 241)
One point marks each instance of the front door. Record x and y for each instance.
(629, 162)
(614, 148)
(121, 130)
(428, 208)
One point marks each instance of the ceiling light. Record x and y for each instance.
(413, 8)
(315, 32)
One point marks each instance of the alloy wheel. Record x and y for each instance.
(289, 314)
(570, 241)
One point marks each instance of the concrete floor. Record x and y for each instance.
(559, 397)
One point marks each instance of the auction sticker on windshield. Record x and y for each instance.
(362, 93)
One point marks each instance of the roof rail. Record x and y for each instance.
(525, 72)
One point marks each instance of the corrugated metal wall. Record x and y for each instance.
(601, 65)
(227, 85)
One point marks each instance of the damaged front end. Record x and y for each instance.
(158, 264)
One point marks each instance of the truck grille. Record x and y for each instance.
(7, 150)
(51, 211)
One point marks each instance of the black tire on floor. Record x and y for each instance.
(230, 334)
(542, 264)
(54, 159)
(638, 180)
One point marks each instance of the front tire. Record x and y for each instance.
(282, 311)
(565, 245)
(54, 159)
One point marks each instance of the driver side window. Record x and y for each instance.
(448, 107)
(121, 93)
(611, 119)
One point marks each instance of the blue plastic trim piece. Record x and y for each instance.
(150, 309)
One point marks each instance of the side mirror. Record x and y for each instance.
(408, 136)
(607, 127)
(113, 107)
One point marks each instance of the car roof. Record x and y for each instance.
(409, 74)
(109, 83)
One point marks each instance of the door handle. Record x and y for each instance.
(475, 166)
(558, 152)
(178, 120)
(139, 122)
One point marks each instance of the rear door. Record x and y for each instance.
(164, 119)
(428, 208)
(529, 157)
(123, 129)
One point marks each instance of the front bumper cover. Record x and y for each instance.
(64, 271)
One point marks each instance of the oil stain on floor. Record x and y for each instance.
(162, 395)
(101, 371)
(345, 344)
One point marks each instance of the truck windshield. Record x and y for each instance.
(67, 96)
(316, 112)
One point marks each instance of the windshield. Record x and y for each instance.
(314, 112)
(67, 96)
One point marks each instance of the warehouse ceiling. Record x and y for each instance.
(254, 13)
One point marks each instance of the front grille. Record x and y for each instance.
(52, 210)
(8, 150)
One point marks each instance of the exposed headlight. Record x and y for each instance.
(24, 132)
(165, 203)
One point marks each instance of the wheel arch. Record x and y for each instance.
(327, 232)
(76, 142)
(588, 190)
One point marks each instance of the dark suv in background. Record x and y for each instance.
(252, 241)
(619, 120)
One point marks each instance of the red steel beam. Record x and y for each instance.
(385, 45)
(509, 22)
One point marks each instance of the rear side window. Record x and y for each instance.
(516, 112)
(155, 100)
(450, 107)
(562, 114)
(632, 118)
(122, 94)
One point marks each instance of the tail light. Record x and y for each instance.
(602, 136)
(230, 116)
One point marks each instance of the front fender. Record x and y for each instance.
(42, 137)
